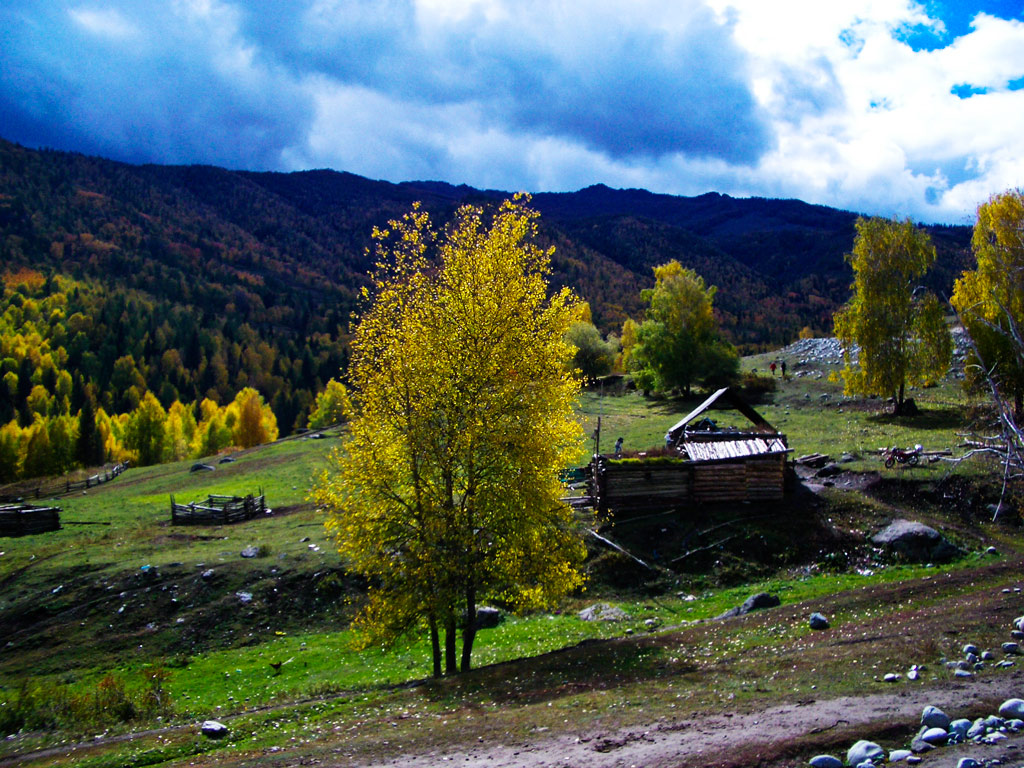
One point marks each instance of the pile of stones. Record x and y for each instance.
(937, 730)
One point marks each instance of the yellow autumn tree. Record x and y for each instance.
(445, 492)
(254, 422)
(990, 298)
(331, 406)
(892, 332)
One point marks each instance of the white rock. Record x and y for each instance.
(1012, 708)
(937, 736)
(899, 755)
(826, 761)
(864, 750)
(213, 729)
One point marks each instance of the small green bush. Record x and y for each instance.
(755, 388)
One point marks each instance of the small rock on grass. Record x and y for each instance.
(214, 729)
(1012, 649)
(899, 755)
(818, 621)
(968, 762)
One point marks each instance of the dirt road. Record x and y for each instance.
(786, 735)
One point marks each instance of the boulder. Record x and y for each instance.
(213, 729)
(864, 750)
(915, 541)
(251, 551)
(959, 728)
(752, 603)
(818, 621)
(1012, 709)
(933, 717)
(487, 617)
(826, 761)
(1012, 649)
(603, 612)
(935, 736)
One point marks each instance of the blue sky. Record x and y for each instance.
(886, 107)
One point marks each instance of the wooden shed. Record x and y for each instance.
(706, 464)
(25, 519)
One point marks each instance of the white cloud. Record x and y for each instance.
(835, 103)
(104, 22)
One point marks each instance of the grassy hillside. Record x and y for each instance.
(120, 622)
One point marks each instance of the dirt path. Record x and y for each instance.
(777, 736)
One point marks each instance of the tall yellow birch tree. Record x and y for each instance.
(896, 332)
(445, 492)
(990, 298)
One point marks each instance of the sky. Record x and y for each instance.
(883, 107)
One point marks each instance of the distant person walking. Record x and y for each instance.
(618, 447)
(783, 369)
(772, 368)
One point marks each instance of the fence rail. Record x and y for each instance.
(63, 487)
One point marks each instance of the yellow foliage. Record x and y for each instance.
(254, 422)
(990, 298)
(446, 491)
(899, 334)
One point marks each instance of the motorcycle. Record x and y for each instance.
(903, 456)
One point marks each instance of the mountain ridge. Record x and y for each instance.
(280, 258)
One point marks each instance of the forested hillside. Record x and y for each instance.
(195, 282)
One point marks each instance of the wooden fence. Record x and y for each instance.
(24, 520)
(62, 487)
(219, 510)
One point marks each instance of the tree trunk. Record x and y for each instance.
(435, 646)
(450, 667)
(469, 633)
(898, 407)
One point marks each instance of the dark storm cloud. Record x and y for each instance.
(162, 82)
(622, 83)
(225, 83)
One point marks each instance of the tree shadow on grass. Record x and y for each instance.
(939, 417)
